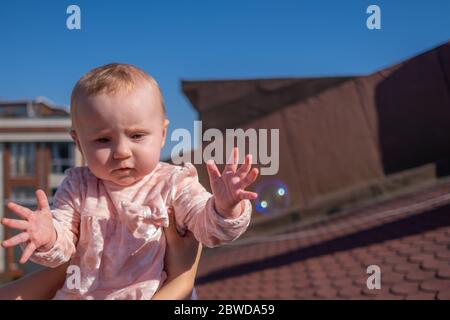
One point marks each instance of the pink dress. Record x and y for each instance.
(115, 234)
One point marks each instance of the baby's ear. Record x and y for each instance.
(164, 133)
(74, 136)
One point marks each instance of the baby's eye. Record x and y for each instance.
(137, 136)
(102, 140)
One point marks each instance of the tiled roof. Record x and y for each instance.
(407, 237)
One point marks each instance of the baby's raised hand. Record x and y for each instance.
(229, 187)
(37, 227)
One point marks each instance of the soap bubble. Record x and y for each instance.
(273, 197)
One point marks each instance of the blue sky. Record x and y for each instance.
(207, 39)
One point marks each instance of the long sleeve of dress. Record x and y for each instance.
(66, 220)
(194, 210)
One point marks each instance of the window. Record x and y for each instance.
(13, 111)
(23, 157)
(63, 156)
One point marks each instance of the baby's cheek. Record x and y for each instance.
(149, 158)
(101, 156)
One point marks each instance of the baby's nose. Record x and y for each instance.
(122, 151)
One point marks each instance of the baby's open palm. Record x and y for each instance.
(37, 227)
(229, 187)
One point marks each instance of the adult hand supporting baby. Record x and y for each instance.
(180, 263)
(37, 226)
(229, 187)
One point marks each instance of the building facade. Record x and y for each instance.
(35, 150)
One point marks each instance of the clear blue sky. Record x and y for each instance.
(207, 39)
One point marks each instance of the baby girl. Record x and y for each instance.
(107, 218)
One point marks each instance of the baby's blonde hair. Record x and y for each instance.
(111, 78)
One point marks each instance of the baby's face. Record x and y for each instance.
(121, 135)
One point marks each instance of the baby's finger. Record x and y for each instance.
(19, 210)
(232, 161)
(16, 224)
(213, 171)
(42, 200)
(17, 239)
(247, 195)
(250, 178)
(245, 168)
(27, 253)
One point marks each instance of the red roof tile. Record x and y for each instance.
(407, 237)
